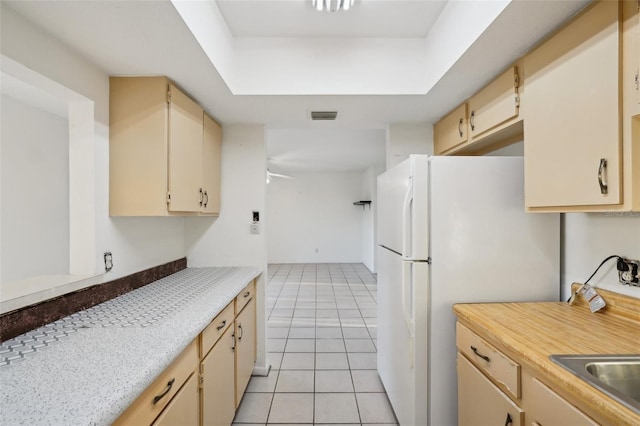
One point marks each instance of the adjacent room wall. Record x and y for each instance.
(369, 216)
(404, 139)
(312, 218)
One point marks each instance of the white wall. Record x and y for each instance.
(369, 216)
(312, 218)
(35, 191)
(136, 243)
(404, 139)
(226, 241)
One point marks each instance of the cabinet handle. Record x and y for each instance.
(165, 392)
(233, 345)
(206, 199)
(247, 294)
(241, 332)
(475, 351)
(221, 325)
(460, 127)
(472, 118)
(201, 197)
(604, 188)
(509, 420)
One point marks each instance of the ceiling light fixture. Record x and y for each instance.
(332, 5)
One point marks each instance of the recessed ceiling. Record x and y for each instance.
(298, 18)
(153, 38)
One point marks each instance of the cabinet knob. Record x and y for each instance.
(604, 188)
(460, 127)
(222, 324)
(509, 420)
(201, 197)
(472, 121)
(241, 332)
(206, 199)
(475, 351)
(165, 392)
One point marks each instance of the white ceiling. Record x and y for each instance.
(152, 38)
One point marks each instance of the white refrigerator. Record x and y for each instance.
(450, 230)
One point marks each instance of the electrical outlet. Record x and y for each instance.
(629, 271)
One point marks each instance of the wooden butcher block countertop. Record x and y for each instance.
(530, 332)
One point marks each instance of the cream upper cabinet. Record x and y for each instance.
(572, 123)
(451, 131)
(164, 156)
(211, 156)
(185, 153)
(496, 104)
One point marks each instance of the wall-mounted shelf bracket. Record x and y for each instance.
(363, 203)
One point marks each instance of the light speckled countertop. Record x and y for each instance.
(91, 376)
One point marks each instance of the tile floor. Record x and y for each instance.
(322, 349)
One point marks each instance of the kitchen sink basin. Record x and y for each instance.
(616, 375)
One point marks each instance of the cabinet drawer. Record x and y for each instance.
(144, 410)
(183, 408)
(490, 360)
(218, 326)
(549, 408)
(480, 402)
(245, 296)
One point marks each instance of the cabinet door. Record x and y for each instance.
(185, 153)
(183, 408)
(495, 104)
(245, 347)
(548, 408)
(218, 390)
(451, 131)
(211, 158)
(572, 116)
(480, 402)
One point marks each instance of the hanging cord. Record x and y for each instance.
(621, 266)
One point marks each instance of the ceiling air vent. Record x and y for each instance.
(324, 115)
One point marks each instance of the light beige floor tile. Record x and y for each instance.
(327, 322)
(336, 408)
(332, 361)
(300, 345)
(295, 381)
(304, 313)
(277, 332)
(349, 313)
(333, 381)
(360, 361)
(355, 333)
(302, 333)
(359, 345)
(366, 381)
(263, 383)
(303, 322)
(247, 424)
(275, 358)
(276, 345)
(328, 333)
(254, 408)
(282, 313)
(292, 408)
(375, 407)
(352, 322)
(330, 345)
(294, 361)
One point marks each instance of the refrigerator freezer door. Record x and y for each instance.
(402, 207)
(402, 340)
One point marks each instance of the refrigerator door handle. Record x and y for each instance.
(406, 222)
(409, 321)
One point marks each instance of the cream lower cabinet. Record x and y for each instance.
(245, 347)
(480, 402)
(183, 408)
(218, 376)
(493, 389)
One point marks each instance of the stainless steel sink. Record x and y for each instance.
(616, 375)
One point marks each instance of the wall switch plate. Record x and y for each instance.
(254, 228)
